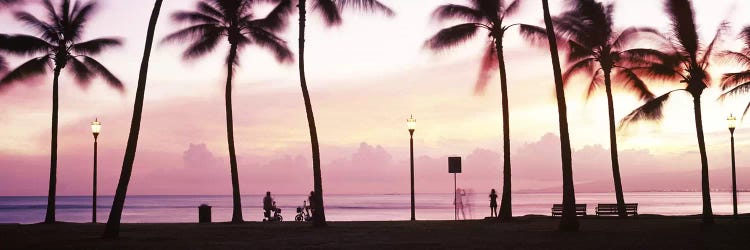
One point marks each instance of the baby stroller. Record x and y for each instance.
(276, 214)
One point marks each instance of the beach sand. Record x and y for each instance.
(528, 232)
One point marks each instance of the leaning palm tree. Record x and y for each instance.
(330, 10)
(57, 46)
(569, 221)
(597, 50)
(688, 63)
(486, 15)
(738, 83)
(212, 21)
(112, 230)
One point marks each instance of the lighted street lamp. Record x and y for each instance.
(96, 128)
(411, 123)
(732, 123)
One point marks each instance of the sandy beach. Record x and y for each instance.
(528, 232)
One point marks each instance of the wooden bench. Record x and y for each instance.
(611, 209)
(557, 209)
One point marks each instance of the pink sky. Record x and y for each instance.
(365, 77)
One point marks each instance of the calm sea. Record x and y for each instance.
(179, 208)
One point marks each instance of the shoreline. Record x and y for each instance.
(530, 232)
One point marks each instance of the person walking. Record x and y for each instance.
(268, 204)
(493, 203)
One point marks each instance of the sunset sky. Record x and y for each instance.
(366, 77)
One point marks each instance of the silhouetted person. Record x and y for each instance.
(267, 205)
(459, 201)
(493, 203)
(310, 201)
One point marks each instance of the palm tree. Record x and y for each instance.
(569, 221)
(112, 230)
(212, 21)
(330, 10)
(59, 45)
(597, 50)
(490, 16)
(738, 83)
(687, 62)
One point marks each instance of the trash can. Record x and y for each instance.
(204, 213)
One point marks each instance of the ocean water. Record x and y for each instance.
(184, 208)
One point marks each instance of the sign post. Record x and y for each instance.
(454, 167)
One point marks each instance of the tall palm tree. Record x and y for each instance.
(597, 50)
(487, 15)
(112, 230)
(59, 45)
(738, 83)
(212, 21)
(330, 11)
(569, 221)
(688, 63)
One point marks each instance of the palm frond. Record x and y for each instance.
(723, 27)
(276, 45)
(192, 33)
(737, 89)
(202, 45)
(454, 11)
(650, 111)
(628, 80)
(99, 69)
(534, 34)
(577, 51)
(25, 45)
(209, 10)
(512, 8)
(31, 68)
(486, 70)
(451, 37)
(587, 65)
(96, 46)
(731, 80)
(50, 9)
(47, 31)
(276, 20)
(80, 15)
(81, 72)
(3, 64)
(369, 6)
(596, 81)
(683, 25)
(628, 35)
(740, 59)
(193, 17)
(328, 10)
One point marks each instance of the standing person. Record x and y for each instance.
(267, 205)
(493, 203)
(310, 200)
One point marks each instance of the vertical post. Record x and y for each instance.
(93, 198)
(734, 179)
(455, 198)
(411, 153)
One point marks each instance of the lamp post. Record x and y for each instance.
(732, 123)
(96, 128)
(411, 123)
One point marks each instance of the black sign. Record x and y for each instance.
(454, 164)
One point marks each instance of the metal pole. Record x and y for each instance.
(411, 153)
(734, 179)
(93, 199)
(455, 198)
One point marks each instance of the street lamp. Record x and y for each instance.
(96, 128)
(732, 123)
(411, 123)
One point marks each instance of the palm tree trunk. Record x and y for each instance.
(613, 146)
(50, 217)
(236, 199)
(708, 216)
(569, 221)
(506, 213)
(112, 229)
(319, 216)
